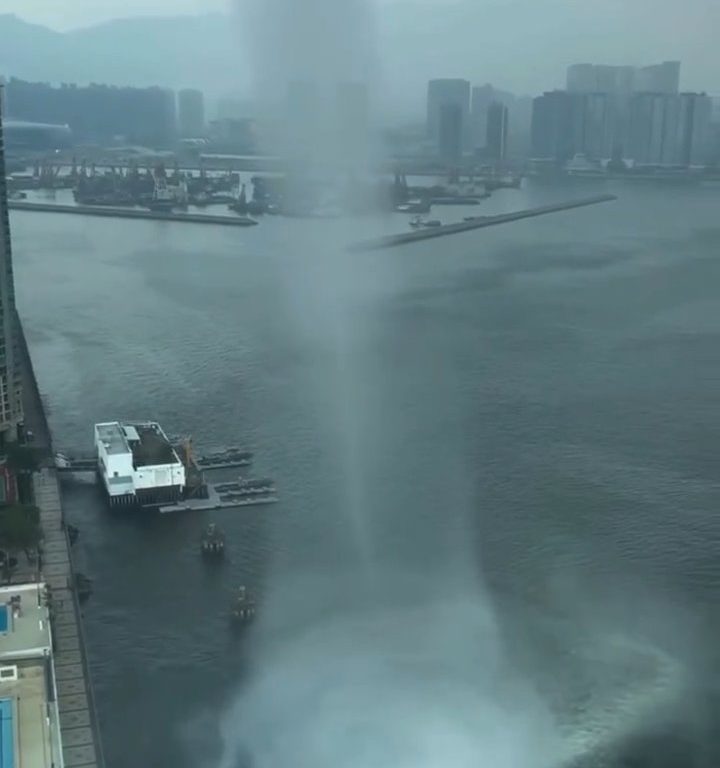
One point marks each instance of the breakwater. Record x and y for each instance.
(480, 222)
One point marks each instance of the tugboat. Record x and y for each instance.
(213, 541)
(243, 609)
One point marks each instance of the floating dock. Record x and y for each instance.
(391, 241)
(216, 500)
(131, 213)
(141, 467)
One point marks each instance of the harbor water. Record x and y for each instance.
(496, 457)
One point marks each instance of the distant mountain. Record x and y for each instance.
(182, 51)
(523, 45)
(207, 52)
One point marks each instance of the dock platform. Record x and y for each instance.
(221, 497)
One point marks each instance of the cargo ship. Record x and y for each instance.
(138, 465)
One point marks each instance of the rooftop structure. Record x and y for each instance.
(146, 443)
(29, 718)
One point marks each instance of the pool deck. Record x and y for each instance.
(78, 721)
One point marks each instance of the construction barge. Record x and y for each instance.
(139, 467)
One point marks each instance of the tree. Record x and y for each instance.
(22, 461)
(20, 527)
(22, 458)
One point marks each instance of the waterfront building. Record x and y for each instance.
(11, 407)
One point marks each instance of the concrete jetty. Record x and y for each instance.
(480, 222)
(131, 213)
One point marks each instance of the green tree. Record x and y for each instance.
(20, 527)
(22, 458)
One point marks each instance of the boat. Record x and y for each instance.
(138, 465)
(243, 608)
(419, 223)
(213, 541)
(414, 206)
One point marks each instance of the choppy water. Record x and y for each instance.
(497, 461)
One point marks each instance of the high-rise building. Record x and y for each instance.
(694, 130)
(648, 127)
(191, 113)
(497, 131)
(554, 125)
(11, 408)
(481, 99)
(670, 129)
(450, 138)
(600, 78)
(658, 78)
(448, 93)
(598, 118)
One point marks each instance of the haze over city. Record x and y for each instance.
(519, 45)
(358, 384)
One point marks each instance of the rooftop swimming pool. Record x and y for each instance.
(7, 734)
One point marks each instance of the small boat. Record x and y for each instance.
(414, 206)
(213, 541)
(243, 608)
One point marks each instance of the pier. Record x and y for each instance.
(480, 222)
(132, 213)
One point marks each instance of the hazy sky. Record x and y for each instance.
(66, 14)
(484, 40)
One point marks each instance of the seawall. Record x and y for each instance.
(79, 726)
